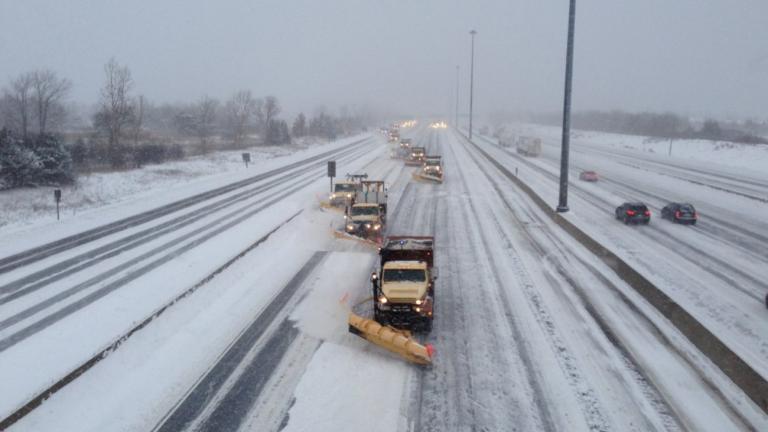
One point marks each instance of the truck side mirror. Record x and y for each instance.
(375, 279)
(434, 273)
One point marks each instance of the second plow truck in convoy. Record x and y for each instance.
(403, 298)
(366, 217)
(416, 157)
(431, 169)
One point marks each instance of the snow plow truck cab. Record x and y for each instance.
(364, 220)
(416, 157)
(432, 168)
(404, 286)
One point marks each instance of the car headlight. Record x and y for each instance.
(350, 227)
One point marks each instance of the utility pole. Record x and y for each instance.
(471, 80)
(456, 120)
(562, 205)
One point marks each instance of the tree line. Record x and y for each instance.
(660, 125)
(42, 142)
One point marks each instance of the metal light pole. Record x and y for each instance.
(471, 80)
(456, 119)
(562, 205)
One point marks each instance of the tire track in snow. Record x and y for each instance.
(226, 411)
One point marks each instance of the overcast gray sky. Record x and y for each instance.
(700, 57)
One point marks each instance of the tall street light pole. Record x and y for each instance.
(562, 205)
(456, 114)
(471, 80)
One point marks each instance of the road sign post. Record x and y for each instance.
(57, 197)
(246, 158)
(331, 172)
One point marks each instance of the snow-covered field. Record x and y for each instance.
(29, 206)
(749, 159)
(532, 331)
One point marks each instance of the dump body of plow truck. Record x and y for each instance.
(404, 285)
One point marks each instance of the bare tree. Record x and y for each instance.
(48, 91)
(271, 110)
(116, 110)
(240, 109)
(206, 117)
(19, 101)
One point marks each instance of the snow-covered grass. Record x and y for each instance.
(25, 206)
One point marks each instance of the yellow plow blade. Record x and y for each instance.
(365, 241)
(426, 178)
(391, 339)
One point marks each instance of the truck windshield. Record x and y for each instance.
(365, 211)
(344, 187)
(399, 275)
(432, 162)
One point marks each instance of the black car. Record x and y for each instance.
(680, 213)
(633, 212)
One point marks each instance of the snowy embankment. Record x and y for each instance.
(31, 206)
(28, 216)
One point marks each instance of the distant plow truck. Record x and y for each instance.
(416, 157)
(529, 146)
(431, 169)
(365, 219)
(344, 192)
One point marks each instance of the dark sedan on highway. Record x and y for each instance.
(680, 213)
(633, 212)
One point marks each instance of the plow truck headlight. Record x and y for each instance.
(377, 227)
(419, 301)
(368, 226)
(383, 300)
(350, 227)
(349, 195)
(417, 309)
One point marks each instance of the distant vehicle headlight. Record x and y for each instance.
(350, 227)
(349, 195)
(377, 227)
(368, 226)
(333, 196)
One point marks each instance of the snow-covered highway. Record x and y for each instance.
(532, 331)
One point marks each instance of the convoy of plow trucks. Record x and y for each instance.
(403, 284)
